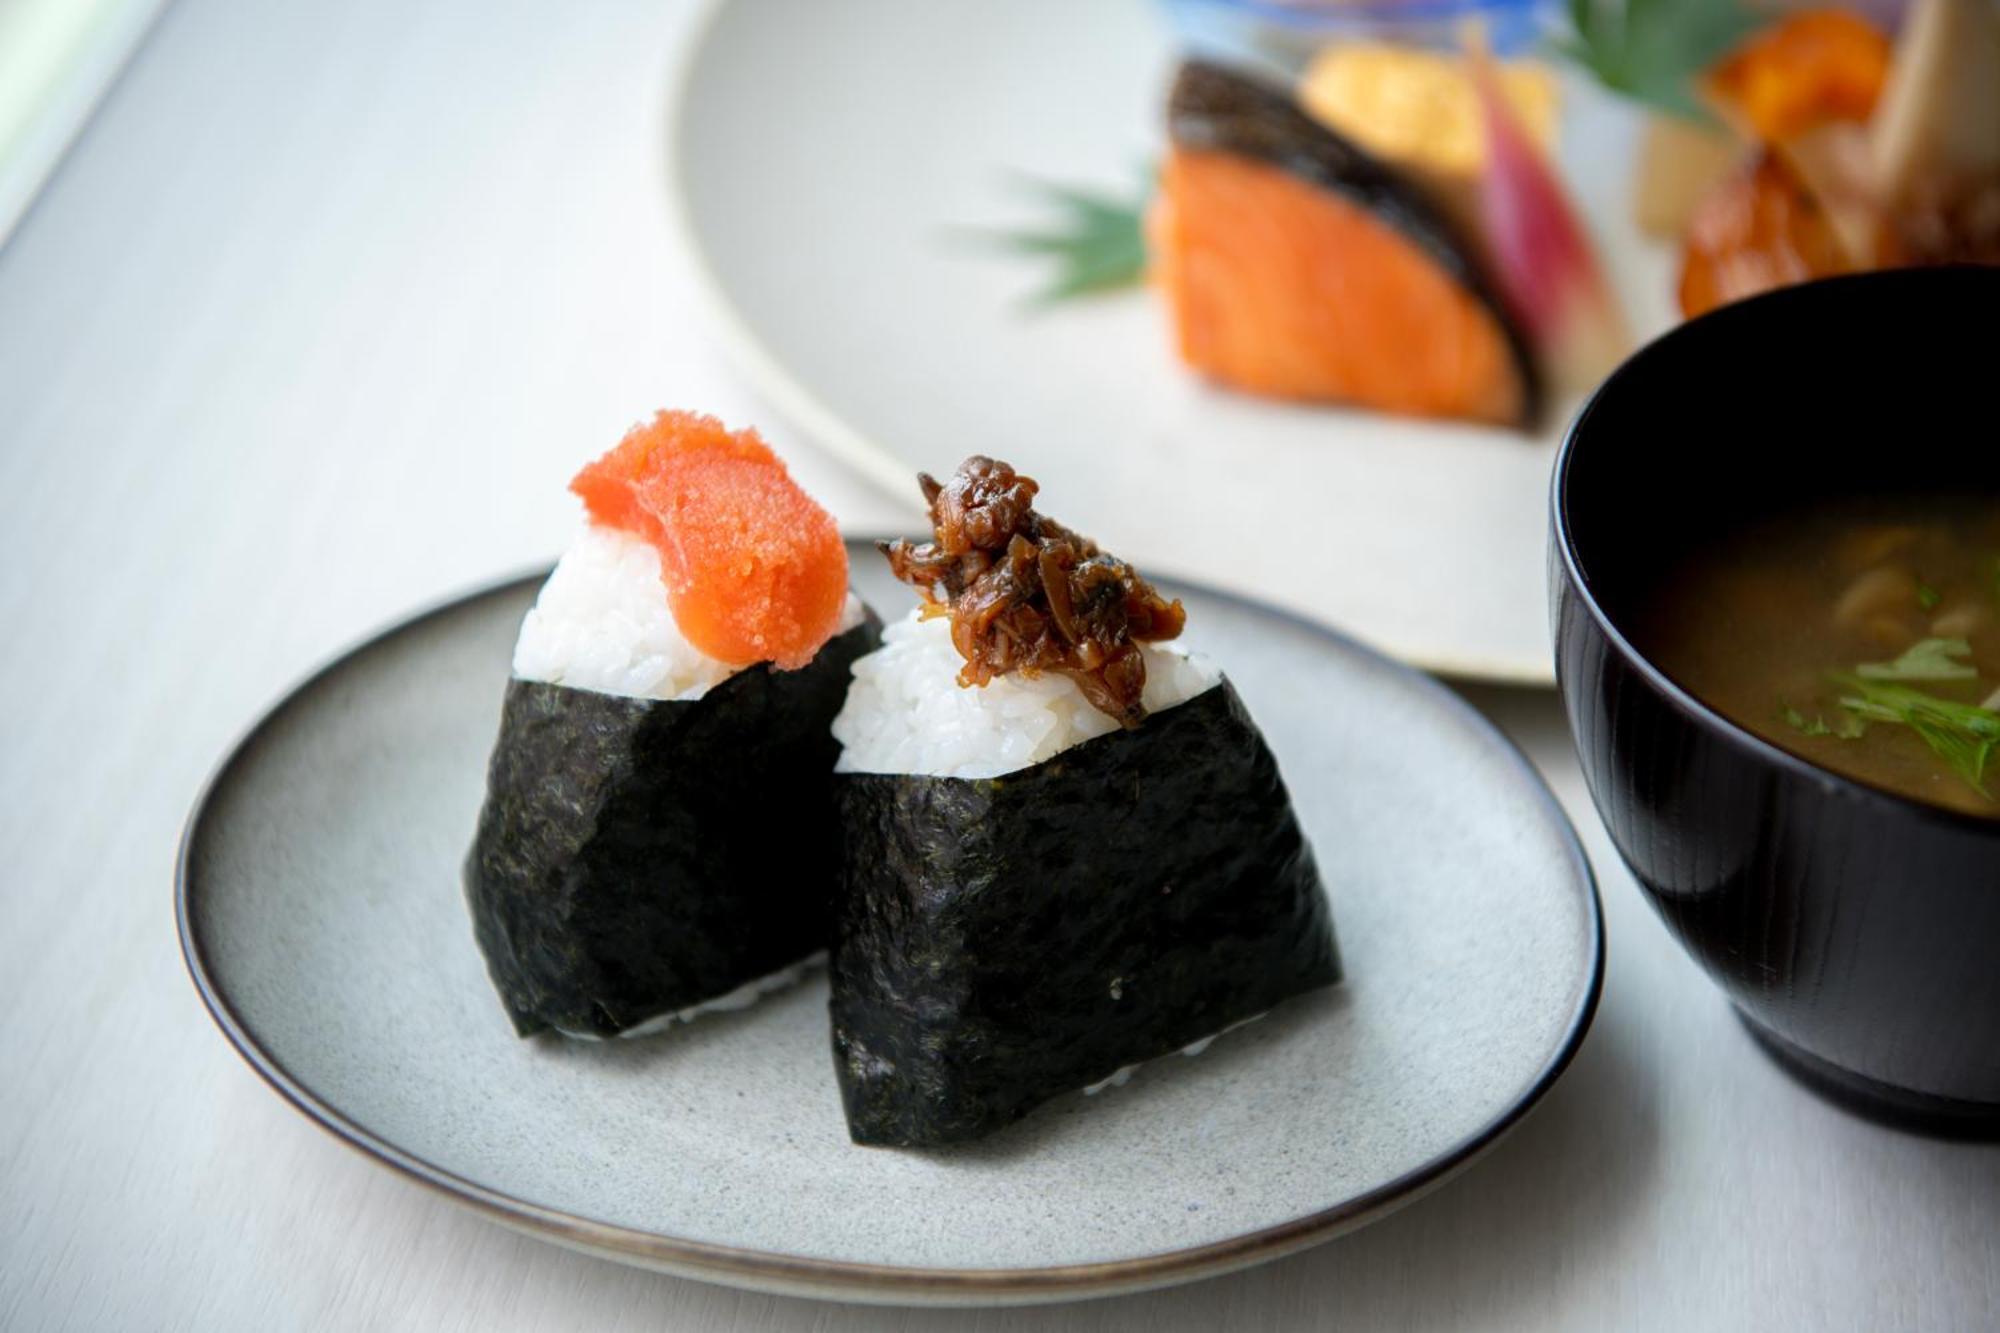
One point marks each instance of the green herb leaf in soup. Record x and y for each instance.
(1963, 735)
(1846, 726)
(1863, 634)
(1926, 659)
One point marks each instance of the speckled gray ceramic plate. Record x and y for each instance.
(320, 912)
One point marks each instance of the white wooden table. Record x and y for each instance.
(311, 327)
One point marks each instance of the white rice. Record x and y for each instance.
(1122, 1075)
(741, 998)
(602, 623)
(906, 713)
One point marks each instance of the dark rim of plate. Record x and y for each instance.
(1681, 700)
(845, 1279)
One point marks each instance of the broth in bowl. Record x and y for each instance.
(1748, 513)
(1864, 638)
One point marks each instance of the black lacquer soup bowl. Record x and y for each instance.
(1857, 931)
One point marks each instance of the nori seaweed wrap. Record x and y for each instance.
(636, 857)
(1068, 849)
(999, 941)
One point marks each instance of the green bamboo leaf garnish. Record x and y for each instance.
(1652, 51)
(1926, 659)
(1097, 240)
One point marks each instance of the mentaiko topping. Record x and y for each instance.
(754, 569)
(1025, 594)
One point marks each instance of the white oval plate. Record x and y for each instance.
(321, 915)
(826, 162)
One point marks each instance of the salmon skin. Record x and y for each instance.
(1296, 265)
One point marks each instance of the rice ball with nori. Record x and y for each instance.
(1068, 848)
(671, 700)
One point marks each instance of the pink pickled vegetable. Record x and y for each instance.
(1541, 257)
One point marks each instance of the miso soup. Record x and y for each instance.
(1864, 638)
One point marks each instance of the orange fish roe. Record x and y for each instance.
(1803, 71)
(755, 570)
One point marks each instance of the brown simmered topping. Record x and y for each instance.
(1026, 594)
